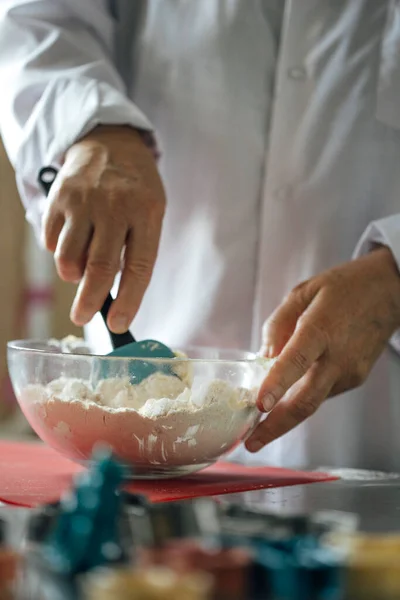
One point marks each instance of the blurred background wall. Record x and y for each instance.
(33, 301)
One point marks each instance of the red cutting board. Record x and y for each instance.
(32, 474)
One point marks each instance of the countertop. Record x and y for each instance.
(375, 500)
(374, 497)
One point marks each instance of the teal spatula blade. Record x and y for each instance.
(144, 349)
(125, 346)
(138, 369)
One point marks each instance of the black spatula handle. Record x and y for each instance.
(46, 179)
(117, 339)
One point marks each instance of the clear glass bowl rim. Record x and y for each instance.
(23, 345)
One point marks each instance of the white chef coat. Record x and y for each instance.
(280, 140)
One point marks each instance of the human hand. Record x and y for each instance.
(327, 334)
(106, 206)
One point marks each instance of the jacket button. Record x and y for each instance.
(298, 73)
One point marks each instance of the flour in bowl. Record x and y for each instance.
(164, 420)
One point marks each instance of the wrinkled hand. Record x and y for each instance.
(105, 213)
(327, 335)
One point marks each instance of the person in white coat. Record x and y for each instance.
(278, 129)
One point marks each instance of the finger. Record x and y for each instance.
(71, 252)
(278, 329)
(301, 403)
(102, 265)
(307, 344)
(53, 223)
(140, 256)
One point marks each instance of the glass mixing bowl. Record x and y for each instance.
(174, 423)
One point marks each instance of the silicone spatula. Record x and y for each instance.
(124, 344)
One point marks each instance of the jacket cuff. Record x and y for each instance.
(385, 232)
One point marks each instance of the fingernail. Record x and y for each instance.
(268, 402)
(254, 445)
(120, 323)
(267, 351)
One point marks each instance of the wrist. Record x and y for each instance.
(390, 274)
(120, 145)
(112, 132)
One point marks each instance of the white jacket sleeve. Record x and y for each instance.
(57, 82)
(385, 232)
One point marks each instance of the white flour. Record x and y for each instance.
(70, 345)
(160, 395)
(161, 421)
